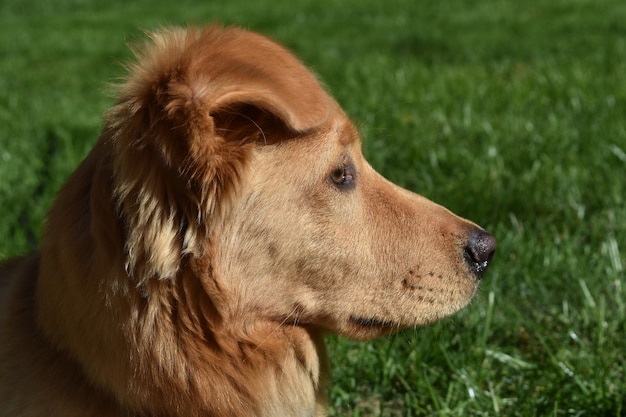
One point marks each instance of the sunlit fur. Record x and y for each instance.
(192, 263)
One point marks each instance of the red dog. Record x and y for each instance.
(224, 221)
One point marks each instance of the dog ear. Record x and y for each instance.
(193, 107)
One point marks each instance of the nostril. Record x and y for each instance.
(479, 251)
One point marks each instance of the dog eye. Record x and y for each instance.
(344, 177)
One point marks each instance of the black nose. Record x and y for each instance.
(479, 250)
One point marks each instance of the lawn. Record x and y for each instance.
(511, 113)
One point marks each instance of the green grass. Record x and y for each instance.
(511, 113)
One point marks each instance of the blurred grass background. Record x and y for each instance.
(511, 113)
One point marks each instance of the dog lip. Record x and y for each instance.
(371, 322)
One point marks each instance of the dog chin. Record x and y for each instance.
(369, 327)
(364, 327)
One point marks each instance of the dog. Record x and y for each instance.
(223, 223)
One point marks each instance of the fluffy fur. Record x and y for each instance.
(224, 221)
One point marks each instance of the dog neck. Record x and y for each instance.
(181, 342)
(162, 348)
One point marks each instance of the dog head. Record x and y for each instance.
(230, 160)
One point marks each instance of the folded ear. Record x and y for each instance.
(194, 105)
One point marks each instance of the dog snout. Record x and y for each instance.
(479, 251)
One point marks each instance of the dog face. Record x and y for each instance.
(322, 239)
(261, 175)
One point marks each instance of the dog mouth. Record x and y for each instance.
(373, 323)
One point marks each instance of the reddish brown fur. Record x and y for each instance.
(193, 261)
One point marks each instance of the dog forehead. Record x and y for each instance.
(338, 137)
(319, 146)
(347, 133)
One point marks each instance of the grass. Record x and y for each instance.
(510, 113)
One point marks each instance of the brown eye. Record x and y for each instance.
(344, 177)
(337, 176)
